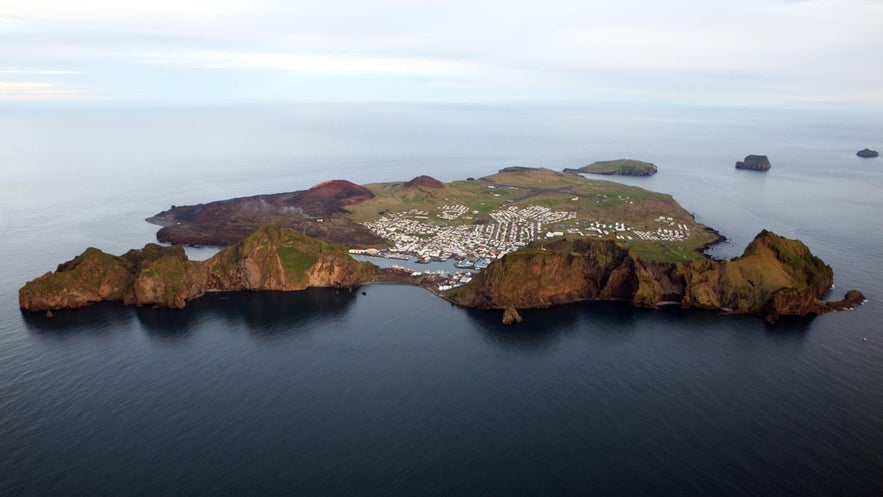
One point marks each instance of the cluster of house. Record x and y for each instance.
(413, 233)
(451, 212)
(475, 245)
(671, 231)
(513, 228)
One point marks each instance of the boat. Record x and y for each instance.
(482, 263)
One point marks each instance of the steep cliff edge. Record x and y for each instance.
(270, 258)
(774, 277)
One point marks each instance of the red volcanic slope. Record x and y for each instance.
(425, 181)
(336, 191)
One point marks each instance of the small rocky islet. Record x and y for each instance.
(867, 153)
(774, 277)
(754, 163)
(622, 167)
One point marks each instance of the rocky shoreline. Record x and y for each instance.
(774, 277)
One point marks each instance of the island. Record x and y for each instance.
(754, 163)
(537, 237)
(867, 153)
(625, 167)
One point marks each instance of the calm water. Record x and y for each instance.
(396, 392)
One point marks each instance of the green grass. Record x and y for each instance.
(295, 262)
(664, 251)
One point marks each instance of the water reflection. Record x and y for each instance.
(103, 317)
(262, 313)
(268, 314)
(547, 325)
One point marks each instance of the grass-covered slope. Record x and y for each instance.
(279, 258)
(775, 276)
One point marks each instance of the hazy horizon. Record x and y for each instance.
(792, 54)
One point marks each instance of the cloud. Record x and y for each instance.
(322, 64)
(33, 90)
(49, 72)
(755, 49)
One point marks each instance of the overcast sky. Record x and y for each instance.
(750, 52)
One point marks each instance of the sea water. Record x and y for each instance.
(396, 392)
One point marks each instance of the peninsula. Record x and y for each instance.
(548, 238)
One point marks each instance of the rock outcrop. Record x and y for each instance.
(510, 315)
(867, 153)
(754, 163)
(774, 277)
(270, 258)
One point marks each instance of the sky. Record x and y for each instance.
(766, 53)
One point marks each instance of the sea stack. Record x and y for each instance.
(867, 153)
(754, 162)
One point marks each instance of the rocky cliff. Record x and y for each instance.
(270, 258)
(774, 277)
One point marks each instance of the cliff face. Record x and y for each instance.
(270, 258)
(277, 258)
(774, 277)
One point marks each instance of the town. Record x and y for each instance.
(474, 244)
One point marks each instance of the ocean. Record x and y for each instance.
(397, 392)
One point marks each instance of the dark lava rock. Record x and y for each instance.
(867, 153)
(754, 163)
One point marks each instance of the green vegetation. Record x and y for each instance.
(295, 262)
(660, 251)
(91, 270)
(628, 167)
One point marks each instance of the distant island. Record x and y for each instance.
(754, 163)
(548, 238)
(867, 153)
(625, 167)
